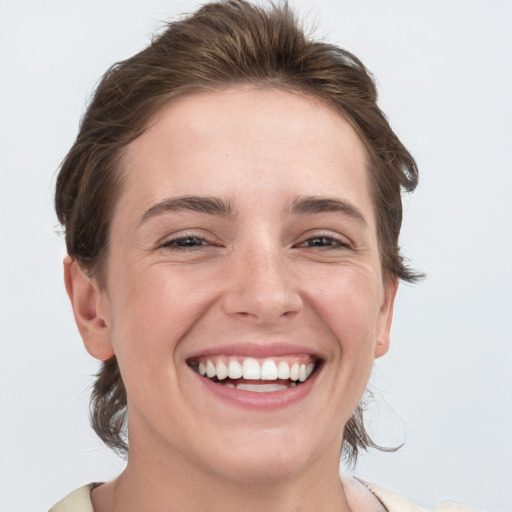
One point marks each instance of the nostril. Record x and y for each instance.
(261, 300)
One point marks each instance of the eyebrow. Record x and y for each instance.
(314, 204)
(209, 205)
(214, 206)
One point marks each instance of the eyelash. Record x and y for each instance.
(181, 243)
(334, 243)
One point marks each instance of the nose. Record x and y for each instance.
(261, 288)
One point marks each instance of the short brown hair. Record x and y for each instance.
(223, 44)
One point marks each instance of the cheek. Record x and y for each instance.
(153, 309)
(142, 313)
(349, 306)
(350, 311)
(150, 313)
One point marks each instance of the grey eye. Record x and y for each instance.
(319, 241)
(187, 241)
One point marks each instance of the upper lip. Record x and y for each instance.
(256, 350)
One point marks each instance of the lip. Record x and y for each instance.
(257, 401)
(255, 350)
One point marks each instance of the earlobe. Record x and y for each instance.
(88, 309)
(385, 318)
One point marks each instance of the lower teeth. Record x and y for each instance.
(259, 388)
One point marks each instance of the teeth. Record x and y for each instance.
(269, 370)
(284, 370)
(235, 370)
(222, 370)
(251, 369)
(261, 388)
(211, 371)
(294, 371)
(302, 372)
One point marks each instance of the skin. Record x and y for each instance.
(263, 274)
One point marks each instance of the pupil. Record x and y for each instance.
(188, 242)
(320, 241)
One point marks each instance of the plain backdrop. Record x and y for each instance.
(444, 73)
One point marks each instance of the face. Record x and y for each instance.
(244, 297)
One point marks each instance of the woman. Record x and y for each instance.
(232, 207)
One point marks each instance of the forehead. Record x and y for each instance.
(246, 139)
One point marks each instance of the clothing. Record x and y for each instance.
(77, 501)
(80, 501)
(396, 503)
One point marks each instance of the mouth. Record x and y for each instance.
(257, 375)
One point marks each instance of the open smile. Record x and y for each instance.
(256, 375)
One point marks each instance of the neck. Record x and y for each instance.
(173, 483)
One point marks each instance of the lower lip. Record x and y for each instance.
(259, 400)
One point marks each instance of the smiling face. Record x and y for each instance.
(243, 247)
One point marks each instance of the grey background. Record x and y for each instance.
(445, 79)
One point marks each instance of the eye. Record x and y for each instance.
(324, 242)
(185, 242)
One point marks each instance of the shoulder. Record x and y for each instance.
(77, 501)
(80, 500)
(396, 503)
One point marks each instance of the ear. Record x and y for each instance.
(385, 317)
(89, 308)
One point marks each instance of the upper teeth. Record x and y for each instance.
(253, 369)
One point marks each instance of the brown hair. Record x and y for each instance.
(222, 44)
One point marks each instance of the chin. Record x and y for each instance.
(258, 469)
(264, 456)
